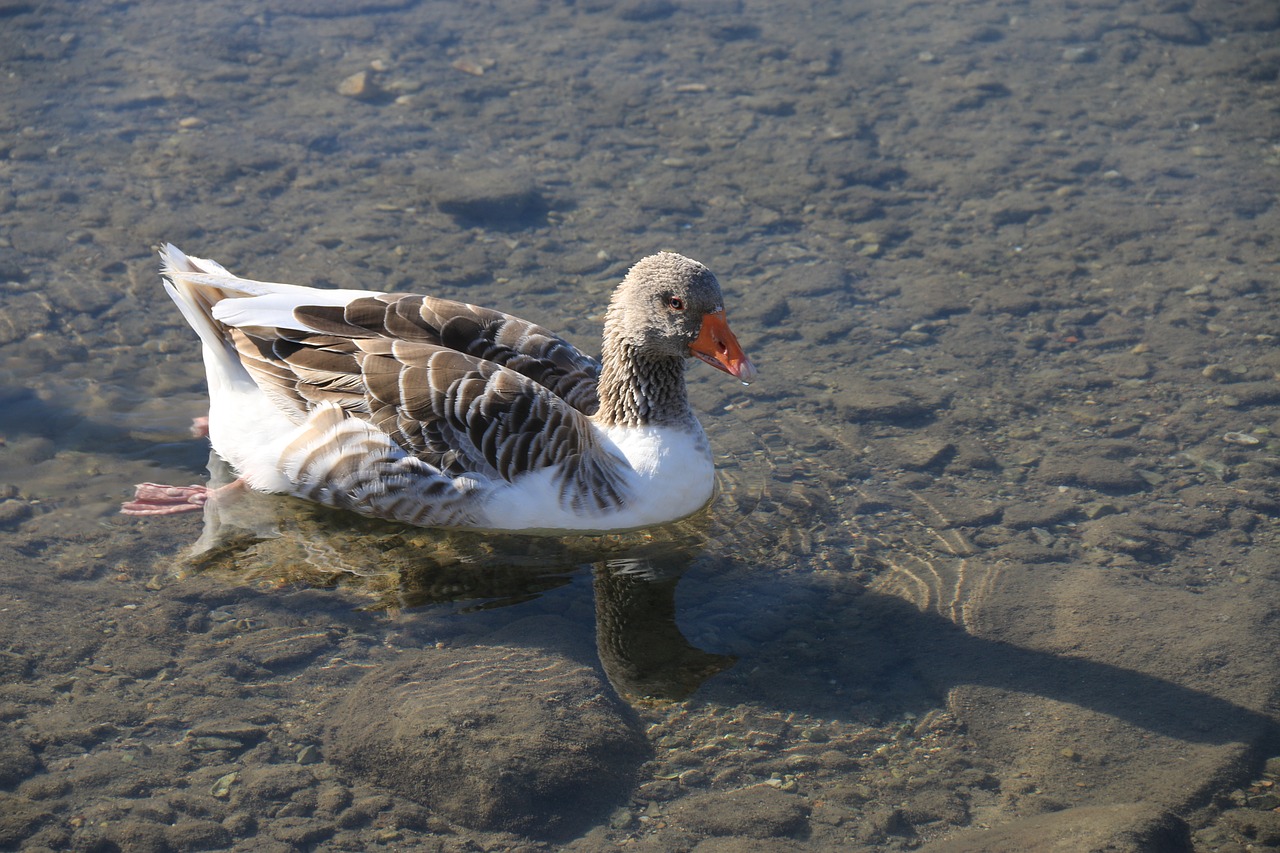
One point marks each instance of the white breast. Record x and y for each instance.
(671, 475)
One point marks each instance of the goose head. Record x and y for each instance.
(671, 306)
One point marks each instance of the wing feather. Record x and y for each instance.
(524, 347)
(455, 411)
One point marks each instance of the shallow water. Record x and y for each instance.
(993, 559)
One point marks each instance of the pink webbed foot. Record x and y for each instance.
(155, 499)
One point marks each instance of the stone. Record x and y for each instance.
(972, 455)
(860, 401)
(1174, 28)
(11, 270)
(739, 844)
(1093, 472)
(1261, 827)
(1130, 827)
(1128, 366)
(1026, 514)
(931, 297)
(338, 8)
(197, 835)
(493, 738)
(363, 86)
(272, 782)
(918, 454)
(756, 812)
(644, 10)
(282, 648)
(1250, 394)
(14, 512)
(19, 818)
(962, 512)
(136, 836)
(490, 197)
(935, 804)
(301, 833)
(24, 315)
(17, 760)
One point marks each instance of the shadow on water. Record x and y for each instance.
(883, 634)
(869, 643)
(24, 413)
(947, 656)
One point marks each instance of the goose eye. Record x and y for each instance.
(676, 303)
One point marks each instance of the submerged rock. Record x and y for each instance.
(756, 812)
(492, 738)
(363, 86)
(17, 759)
(495, 198)
(1092, 472)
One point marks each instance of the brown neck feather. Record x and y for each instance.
(638, 389)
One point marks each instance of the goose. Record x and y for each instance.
(438, 413)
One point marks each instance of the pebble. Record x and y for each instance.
(1025, 515)
(361, 86)
(337, 8)
(762, 811)
(915, 338)
(13, 512)
(1100, 509)
(1175, 28)
(1093, 472)
(197, 835)
(212, 744)
(861, 401)
(487, 196)
(468, 66)
(1126, 366)
(17, 759)
(918, 454)
(233, 731)
(222, 788)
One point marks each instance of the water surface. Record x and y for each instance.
(993, 556)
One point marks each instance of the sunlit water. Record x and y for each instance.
(995, 531)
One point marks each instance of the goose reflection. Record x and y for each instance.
(271, 541)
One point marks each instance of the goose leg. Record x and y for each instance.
(155, 499)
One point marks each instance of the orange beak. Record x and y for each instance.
(717, 346)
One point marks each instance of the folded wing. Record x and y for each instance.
(412, 367)
(489, 335)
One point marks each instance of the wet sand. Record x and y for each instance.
(994, 560)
